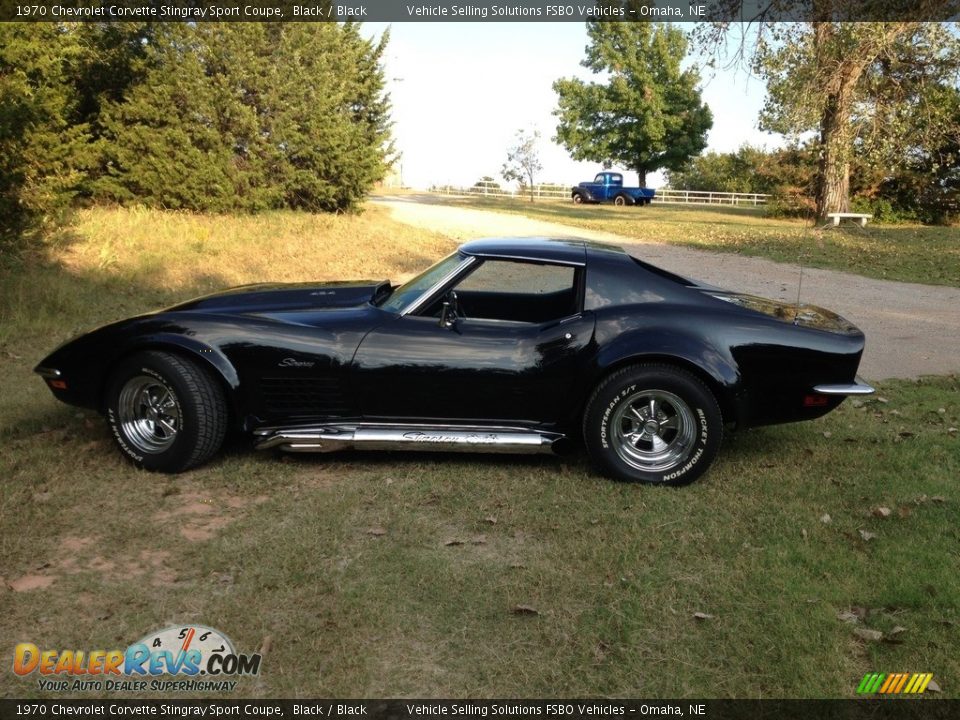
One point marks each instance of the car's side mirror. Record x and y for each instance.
(448, 312)
(447, 316)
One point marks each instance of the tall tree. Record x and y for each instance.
(523, 160)
(41, 153)
(647, 114)
(830, 76)
(255, 116)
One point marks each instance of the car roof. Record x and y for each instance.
(568, 251)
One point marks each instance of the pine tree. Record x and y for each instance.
(41, 153)
(254, 116)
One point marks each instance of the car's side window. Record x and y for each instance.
(519, 291)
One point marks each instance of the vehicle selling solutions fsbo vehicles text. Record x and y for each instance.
(550, 11)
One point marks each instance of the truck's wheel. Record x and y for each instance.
(577, 199)
(653, 424)
(620, 200)
(166, 413)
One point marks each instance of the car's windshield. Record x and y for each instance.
(412, 289)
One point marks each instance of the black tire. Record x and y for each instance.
(620, 438)
(620, 200)
(167, 414)
(577, 199)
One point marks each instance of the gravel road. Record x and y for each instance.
(911, 329)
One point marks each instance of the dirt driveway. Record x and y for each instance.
(911, 329)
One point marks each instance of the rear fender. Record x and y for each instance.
(714, 365)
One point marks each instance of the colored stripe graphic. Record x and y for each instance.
(894, 683)
(891, 678)
(901, 683)
(870, 683)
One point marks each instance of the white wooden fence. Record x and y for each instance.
(553, 192)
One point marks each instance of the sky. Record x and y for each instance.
(461, 91)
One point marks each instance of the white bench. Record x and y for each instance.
(859, 217)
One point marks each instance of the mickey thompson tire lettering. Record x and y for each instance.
(199, 401)
(686, 403)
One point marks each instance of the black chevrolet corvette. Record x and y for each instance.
(507, 345)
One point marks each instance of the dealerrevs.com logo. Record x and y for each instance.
(177, 658)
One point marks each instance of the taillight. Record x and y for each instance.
(815, 400)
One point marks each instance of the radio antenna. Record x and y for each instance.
(796, 312)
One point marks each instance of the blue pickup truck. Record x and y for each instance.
(608, 187)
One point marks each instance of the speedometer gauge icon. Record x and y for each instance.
(184, 638)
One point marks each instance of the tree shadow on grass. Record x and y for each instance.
(44, 303)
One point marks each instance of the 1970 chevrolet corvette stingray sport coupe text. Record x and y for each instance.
(506, 345)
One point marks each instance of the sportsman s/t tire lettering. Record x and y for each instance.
(166, 413)
(654, 424)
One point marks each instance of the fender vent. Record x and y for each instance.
(304, 396)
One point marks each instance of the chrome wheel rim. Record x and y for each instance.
(653, 430)
(149, 414)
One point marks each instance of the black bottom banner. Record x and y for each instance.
(508, 709)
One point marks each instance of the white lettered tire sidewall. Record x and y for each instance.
(200, 405)
(617, 388)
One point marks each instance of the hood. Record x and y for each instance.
(808, 316)
(285, 296)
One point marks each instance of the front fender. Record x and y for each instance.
(86, 362)
(206, 355)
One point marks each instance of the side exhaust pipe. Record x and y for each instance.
(330, 438)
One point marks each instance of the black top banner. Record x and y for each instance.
(676, 11)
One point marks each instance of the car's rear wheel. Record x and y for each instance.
(167, 414)
(620, 200)
(654, 424)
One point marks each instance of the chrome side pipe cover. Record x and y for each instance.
(422, 438)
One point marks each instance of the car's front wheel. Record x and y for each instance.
(653, 424)
(577, 199)
(166, 413)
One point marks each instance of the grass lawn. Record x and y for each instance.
(910, 253)
(399, 574)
